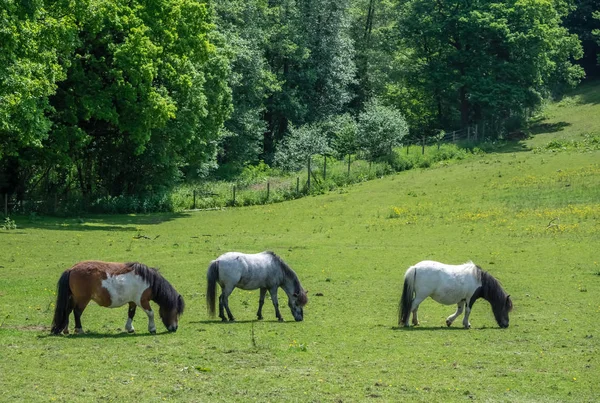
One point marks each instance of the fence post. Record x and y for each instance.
(324, 167)
(454, 136)
(476, 127)
(194, 205)
(233, 195)
(469, 133)
(297, 184)
(407, 146)
(423, 145)
(268, 189)
(349, 161)
(5, 204)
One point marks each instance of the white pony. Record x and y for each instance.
(449, 284)
(264, 270)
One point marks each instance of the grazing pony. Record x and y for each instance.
(447, 284)
(264, 270)
(112, 285)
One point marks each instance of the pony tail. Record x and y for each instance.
(63, 303)
(211, 287)
(407, 296)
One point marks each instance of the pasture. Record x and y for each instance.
(531, 219)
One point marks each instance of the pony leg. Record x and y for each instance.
(224, 303)
(69, 310)
(221, 309)
(415, 320)
(414, 308)
(130, 315)
(273, 292)
(145, 304)
(459, 310)
(466, 322)
(261, 302)
(77, 311)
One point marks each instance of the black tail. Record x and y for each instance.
(64, 303)
(211, 286)
(407, 297)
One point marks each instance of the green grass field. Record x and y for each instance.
(531, 219)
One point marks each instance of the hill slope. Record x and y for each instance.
(530, 219)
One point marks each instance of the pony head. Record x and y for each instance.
(501, 311)
(297, 302)
(170, 314)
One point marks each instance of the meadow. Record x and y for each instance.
(530, 218)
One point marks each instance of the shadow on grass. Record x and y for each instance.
(444, 328)
(97, 222)
(94, 335)
(222, 323)
(541, 127)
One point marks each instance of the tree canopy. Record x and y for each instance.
(103, 98)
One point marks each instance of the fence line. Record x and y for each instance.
(55, 204)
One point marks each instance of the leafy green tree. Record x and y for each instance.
(580, 21)
(380, 129)
(247, 29)
(342, 134)
(300, 146)
(145, 95)
(596, 33)
(374, 30)
(484, 60)
(311, 54)
(34, 45)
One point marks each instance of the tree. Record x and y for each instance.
(300, 146)
(484, 60)
(380, 129)
(247, 29)
(311, 54)
(36, 41)
(596, 34)
(342, 134)
(580, 21)
(145, 95)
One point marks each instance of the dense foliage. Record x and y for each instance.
(102, 100)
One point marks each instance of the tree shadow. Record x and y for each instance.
(541, 127)
(97, 222)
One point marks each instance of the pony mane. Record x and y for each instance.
(163, 293)
(491, 288)
(288, 272)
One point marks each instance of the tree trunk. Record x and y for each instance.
(348, 164)
(308, 174)
(464, 107)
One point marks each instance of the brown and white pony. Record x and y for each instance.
(112, 285)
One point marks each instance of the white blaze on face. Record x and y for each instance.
(124, 288)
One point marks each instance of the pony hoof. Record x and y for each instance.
(280, 320)
(131, 331)
(152, 331)
(448, 323)
(79, 331)
(260, 318)
(232, 319)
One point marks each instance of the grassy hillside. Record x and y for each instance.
(568, 119)
(530, 219)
